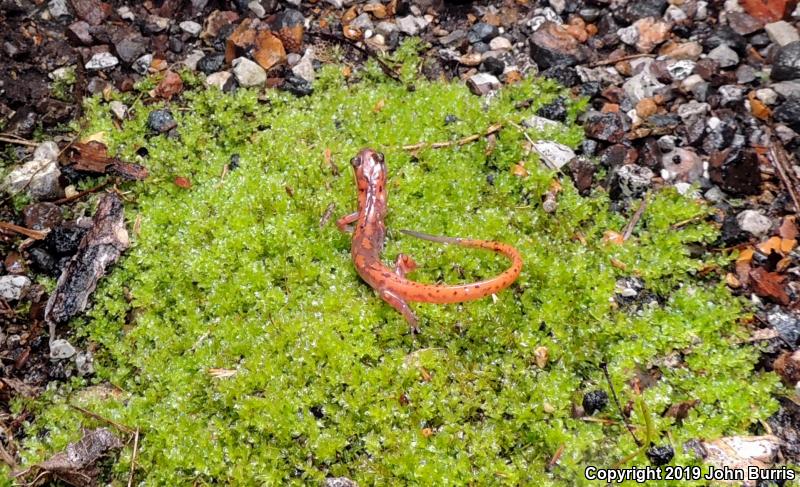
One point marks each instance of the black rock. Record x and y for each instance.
(161, 121)
(736, 172)
(130, 48)
(550, 47)
(788, 112)
(175, 44)
(595, 401)
(493, 65)
(732, 233)
(760, 40)
(42, 261)
(589, 147)
(725, 35)
(234, 164)
(22, 123)
(660, 455)
(590, 89)
(219, 42)
(64, 239)
(787, 62)
(211, 63)
(555, 110)
(296, 86)
(482, 31)
(786, 324)
(640, 9)
(450, 119)
(563, 74)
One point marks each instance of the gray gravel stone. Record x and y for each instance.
(101, 60)
(248, 73)
(61, 349)
(724, 55)
(14, 288)
(39, 177)
(753, 222)
(781, 32)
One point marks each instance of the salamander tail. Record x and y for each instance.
(433, 238)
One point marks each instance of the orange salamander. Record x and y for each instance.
(369, 231)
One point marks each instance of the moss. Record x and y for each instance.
(61, 89)
(237, 274)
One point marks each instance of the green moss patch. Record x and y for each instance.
(319, 377)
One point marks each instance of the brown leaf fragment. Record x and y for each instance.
(100, 247)
(171, 85)
(182, 182)
(93, 157)
(769, 285)
(681, 409)
(788, 228)
(77, 464)
(768, 10)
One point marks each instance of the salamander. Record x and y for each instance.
(369, 231)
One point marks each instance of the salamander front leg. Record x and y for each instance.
(404, 264)
(344, 222)
(400, 305)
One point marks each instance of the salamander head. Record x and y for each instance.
(369, 167)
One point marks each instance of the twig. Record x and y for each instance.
(81, 194)
(556, 457)
(133, 457)
(777, 155)
(7, 458)
(121, 427)
(34, 234)
(327, 215)
(637, 215)
(367, 52)
(606, 62)
(18, 141)
(463, 141)
(619, 407)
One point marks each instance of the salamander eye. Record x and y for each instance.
(355, 162)
(379, 157)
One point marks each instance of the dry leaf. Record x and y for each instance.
(519, 170)
(427, 432)
(745, 255)
(541, 355)
(619, 264)
(171, 85)
(769, 285)
(612, 237)
(221, 373)
(379, 105)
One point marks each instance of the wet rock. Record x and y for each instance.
(411, 24)
(660, 455)
(130, 48)
(724, 35)
(493, 65)
(594, 401)
(629, 181)
(743, 24)
(248, 73)
(223, 80)
(78, 33)
(609, 127)
(787, 62)
(41, 216)
(754, 223)
(788, 112)
(553, 154)
(161, 121)
(782, 32)
(101, 61)
(305, 67)
(64, 239)
(84, 363)
(39, 177)
(500, 44)
(14, 288)
(736, 172)
(190, 27)
(555, 110)
(44, 262)
(142, 65)
(483, 84)
(787, 324)
(642, 85)
(481, 31)
(582, 171)
(552, 45)
(297, 86)
(211, 63)
(724, 56)
(565, 75)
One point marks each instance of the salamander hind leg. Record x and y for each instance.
(404, 264)
(400, 305)
(345, 223)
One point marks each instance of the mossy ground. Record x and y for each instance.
(237, 274)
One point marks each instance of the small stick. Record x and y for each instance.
(556, 457)
(119, 426)
(133, 457)
(616, 401)
(7, 458)
(34, 234)
(81, 194)
(18, 141)
(778, 157)
(463, 141)
(637, 215)
(327, 215)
